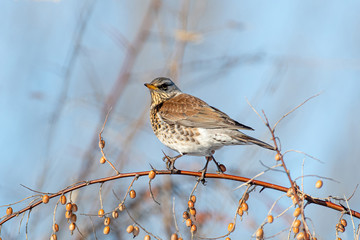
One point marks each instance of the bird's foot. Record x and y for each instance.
(170, 163)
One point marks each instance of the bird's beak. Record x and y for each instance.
(150, 86)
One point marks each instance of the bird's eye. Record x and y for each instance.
(163, 87)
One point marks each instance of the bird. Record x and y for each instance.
(190, 126)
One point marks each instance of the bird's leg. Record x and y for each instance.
(170, 162)
(204, 170)
(217, 164)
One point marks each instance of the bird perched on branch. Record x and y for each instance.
(190, 126)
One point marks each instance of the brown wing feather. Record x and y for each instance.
(191, 111)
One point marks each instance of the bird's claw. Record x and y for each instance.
(170, 163)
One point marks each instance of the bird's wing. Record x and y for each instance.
(191, 111)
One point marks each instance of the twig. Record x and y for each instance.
(127, 211)
(273, 129)
(151, 193)
(102, 143)
(175, 222)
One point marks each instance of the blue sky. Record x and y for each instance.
(276, 54)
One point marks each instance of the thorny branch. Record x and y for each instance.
(310, 199)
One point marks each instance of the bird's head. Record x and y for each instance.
(162, 89)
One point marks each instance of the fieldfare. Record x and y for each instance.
(190, 126)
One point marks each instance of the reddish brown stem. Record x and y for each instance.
(186, 173)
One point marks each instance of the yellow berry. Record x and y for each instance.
(297, 212)
(53, 237)
(318, 184)
(132, 194)
(240, 212)
(340, 227)
(231, 227)
(192, 211)
(152, 174)
(193, 198)
(68, 214)
(102, 161)
(193, 228)
(297, 223)
(174, 236)
(259, 233)
(55, 227)
(106, 230)
(68, 207)
(147, 237)
(45, 199)
(115, 214)
(188, 222)
(295, 230)
(277, 157)
(9, 211)
(72, 226)
(62, 199)
(244, 206)
(101, 213)
(300, 236)
(191, 204)
(121, 207)
(107, 221)
(130, 229)
(343, 222)
(227, 238)
(270, 218)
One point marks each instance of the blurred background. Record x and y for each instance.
(64, 64)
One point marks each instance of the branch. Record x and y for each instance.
(310, 199)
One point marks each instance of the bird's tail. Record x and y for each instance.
(245, 139)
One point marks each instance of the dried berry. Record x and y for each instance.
(103, 160)
(106, 230)
(152, 174)
(231, 227)
(297, 212)
(68, 207)
(188, 222)
(174, 236)
(191, 204)
(55, 227)
(130, 229)
(72, 226)
(343, 222)
(319, 184)
(9, 211)
(297, 223)
(62, 199)
(107, 221)
(101, 213)
(45, 199)
(193, 228)
(115, 214)
(260, 233)
(132, 193)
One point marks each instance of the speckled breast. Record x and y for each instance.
(179, 138)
